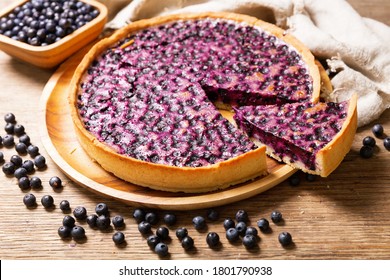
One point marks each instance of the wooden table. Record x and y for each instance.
(344, 216)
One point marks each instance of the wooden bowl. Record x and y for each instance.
(52, 55)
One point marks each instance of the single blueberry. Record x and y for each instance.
(29, 200)
(152, 241)
(276, 216)
(68, 221)
(212, 239)
(232, 234)
(187, 242)
(377, 129)
(249, 241)
(181, 232)
(285, 238)
(369, 141)
(118, 237)
(263, 224)
(228, 223)
(161, 249)
(366, 151)
(78, 232)
(386, 143)
(199, 222)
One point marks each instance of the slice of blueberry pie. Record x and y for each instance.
(314, 137)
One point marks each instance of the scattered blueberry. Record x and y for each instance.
(24, 183)
(187, 242)
(118, 238)
(242, 216)
(162, 232)
(80, 213)
(118, 221)
(16, 160)
(251, 231)
(151, 218)
(161, 249)
(311, 177)
(9, 118)
(8, 168)
(139, 215)
(152, 241)
(8, 141)
(47, 201)
(9, 128)
(68, 221)
(103, 222)
(249, 241)
(212, 214)
(64, 205)
(36, 183)
(40, 161)
(20, 172)
(199, 222)
(212, 239)
(276, 217)
(369, 141)
(91, 220)
(19, 129)
(30, 200)
(232, 234)
(144, 227)
(366, 151)
(32, 150)
(386, 143)
(101, 209)
(1, 154)
(377, 129)
(29, 166)
(263, 224)
(21, 148)
(64, 231)
(170, 219)
(25, 139)
(228, 223)
(78, 232)
(181, 233)
(294, 180)
(55, 182)
(285, 238)
(241, 228)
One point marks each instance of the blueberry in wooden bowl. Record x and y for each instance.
(45, 33)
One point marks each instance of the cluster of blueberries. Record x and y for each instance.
(236, 229)
(43, 22)
(369, 142)
(22, 169)
(99, 220)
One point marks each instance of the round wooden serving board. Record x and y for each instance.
(59, 139)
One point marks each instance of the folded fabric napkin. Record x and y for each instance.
(355, 49)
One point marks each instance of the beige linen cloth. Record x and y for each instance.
(355, 49)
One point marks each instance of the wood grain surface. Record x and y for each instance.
(343, 216)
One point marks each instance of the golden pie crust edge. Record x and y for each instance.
(218, 176)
